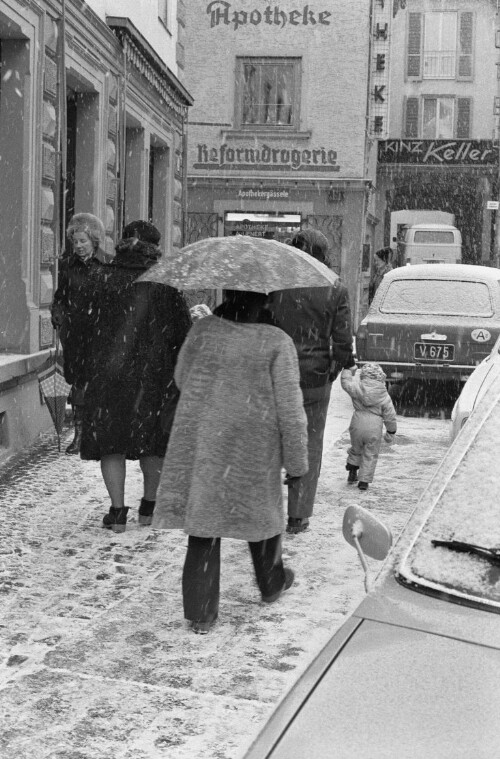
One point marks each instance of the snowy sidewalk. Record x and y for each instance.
(96, 658)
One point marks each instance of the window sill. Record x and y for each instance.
(265, 133)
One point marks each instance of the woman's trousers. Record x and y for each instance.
(301, 493)
(201, 574)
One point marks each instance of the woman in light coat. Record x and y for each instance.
(239, 421)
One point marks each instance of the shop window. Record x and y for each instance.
(134, 173)
(82, 115)
(158, 195)
(437, 118)
(267, 92)
(271, 226)
(440, 45)
(16, 256)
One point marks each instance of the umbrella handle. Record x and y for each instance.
(56, 356)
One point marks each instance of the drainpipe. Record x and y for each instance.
(184, 175)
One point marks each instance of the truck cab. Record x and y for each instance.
(430, 244)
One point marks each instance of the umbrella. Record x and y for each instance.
(55, 391)
(240, 262)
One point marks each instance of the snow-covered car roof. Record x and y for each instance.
(444, 271)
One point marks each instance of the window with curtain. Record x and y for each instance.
(440, 45)
(437, 118)
(267, 92)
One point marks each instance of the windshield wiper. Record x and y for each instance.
(491, 554)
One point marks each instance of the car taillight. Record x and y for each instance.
(361, 338)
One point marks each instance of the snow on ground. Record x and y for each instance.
(96, 658)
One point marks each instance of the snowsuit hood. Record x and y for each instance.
(372, 391)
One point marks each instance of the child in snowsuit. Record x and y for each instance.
(373, 407)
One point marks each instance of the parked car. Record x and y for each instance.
(431, 322)
(415, 670)
(474, 389)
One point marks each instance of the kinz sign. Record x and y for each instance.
(221, 12)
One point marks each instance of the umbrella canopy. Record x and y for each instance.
(240, 262)
(55, 391)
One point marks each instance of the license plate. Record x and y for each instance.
(430, 352)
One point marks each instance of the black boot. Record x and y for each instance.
(146, 511)
(74, 446)
(116, 519)
(353, 473)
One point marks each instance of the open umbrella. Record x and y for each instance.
(55, 391)
(240, 262)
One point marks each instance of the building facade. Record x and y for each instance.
(277, 132)
(92, 118)
(441, 152)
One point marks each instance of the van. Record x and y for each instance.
(431, 244)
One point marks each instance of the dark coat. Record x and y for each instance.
(318, 319)
(131, 395)
(73, 310)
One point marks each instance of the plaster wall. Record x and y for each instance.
(333, 89)
(484, 85)
(144, 16)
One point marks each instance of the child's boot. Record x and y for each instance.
(353, 473)
(362, 485)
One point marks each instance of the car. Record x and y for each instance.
(415, 670)
(431, 321)
(474, 389)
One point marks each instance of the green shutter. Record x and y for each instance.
(464, 107)
(414, 63)
(465, 45)
(411, 118)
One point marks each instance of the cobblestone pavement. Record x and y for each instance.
(96, 661)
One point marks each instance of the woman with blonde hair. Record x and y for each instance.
(73, 312)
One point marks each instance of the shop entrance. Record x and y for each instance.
(273, 226)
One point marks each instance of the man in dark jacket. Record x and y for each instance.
(72, 308)
(318, 319)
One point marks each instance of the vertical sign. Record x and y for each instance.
(379, 70)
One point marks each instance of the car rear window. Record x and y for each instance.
(442, 297)
(431, 236)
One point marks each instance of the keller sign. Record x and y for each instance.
(438, 152)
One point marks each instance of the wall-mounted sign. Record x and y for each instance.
(265, 158)
(438, 152)
(221, 12)
(274, 226)
(492, 205)
(262, 194)
(379, 70)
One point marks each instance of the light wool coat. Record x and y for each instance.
(239, 420)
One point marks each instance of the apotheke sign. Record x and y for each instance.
(221, 12)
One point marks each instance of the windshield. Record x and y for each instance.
(468, 510)
(431, 236)
(437, 296)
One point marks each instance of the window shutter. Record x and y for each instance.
(463, 117)
(465, 45)
(411, 118)
(414, 46)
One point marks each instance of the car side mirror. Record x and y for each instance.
(368, 535)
